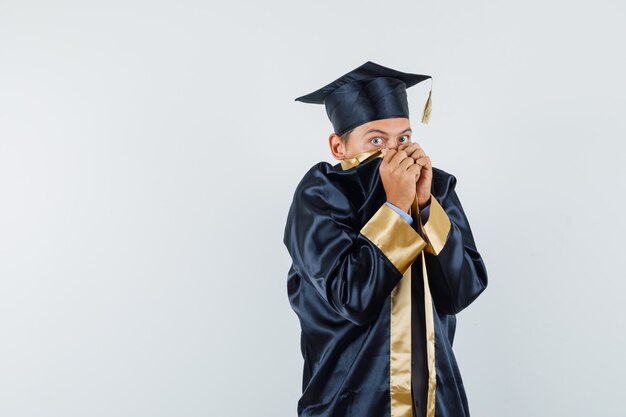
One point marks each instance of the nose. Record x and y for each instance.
(392, 144)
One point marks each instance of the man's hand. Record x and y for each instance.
(399, 173)
(424, 178)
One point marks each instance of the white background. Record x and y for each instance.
(148, 156)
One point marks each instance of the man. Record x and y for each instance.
(383, 260)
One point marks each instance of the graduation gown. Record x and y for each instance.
(377, 297)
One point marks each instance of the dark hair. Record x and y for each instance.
(344, 137)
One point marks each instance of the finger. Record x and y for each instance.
(417, 153)
(415, 170)
(409, 148)
(424, 161)
(387, 155)
(407, 162)
(405, 146)
(398, 157)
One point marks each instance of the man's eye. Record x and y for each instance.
(377, 141)
(406, 139)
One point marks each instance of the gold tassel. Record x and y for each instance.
(428, 107)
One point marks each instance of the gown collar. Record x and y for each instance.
(360, 157)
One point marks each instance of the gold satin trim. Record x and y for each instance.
(430, 343)
(400, 391)
(397, 239)
(429, 319)
(358, 158)
(436, 228)
(400, 348)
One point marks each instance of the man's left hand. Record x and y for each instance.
(425, 178)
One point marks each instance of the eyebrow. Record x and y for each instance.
(384, 133)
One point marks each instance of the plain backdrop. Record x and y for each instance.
(149, 151)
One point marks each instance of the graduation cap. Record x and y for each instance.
(369, 92)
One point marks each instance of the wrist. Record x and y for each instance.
(401, 206)
(425, 203)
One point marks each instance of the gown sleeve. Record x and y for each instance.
(353, 267)
(456, 271)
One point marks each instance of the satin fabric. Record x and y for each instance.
(361, 101)
(388, 238)
(339, 285)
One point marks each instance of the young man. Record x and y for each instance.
(383, 260)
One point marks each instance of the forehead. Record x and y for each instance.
(391, 126)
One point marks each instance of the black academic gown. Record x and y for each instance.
(357, 274)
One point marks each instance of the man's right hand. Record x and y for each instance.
(398, 173)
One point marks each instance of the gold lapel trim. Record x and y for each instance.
(401, 401)
(430, 322)
(358, 158)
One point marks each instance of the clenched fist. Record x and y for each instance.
(399, 174)
(425, 176)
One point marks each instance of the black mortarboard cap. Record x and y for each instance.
(369, 92)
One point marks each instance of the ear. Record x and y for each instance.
(337, 147)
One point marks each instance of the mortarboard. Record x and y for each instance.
(369, 92)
